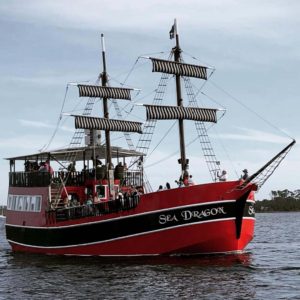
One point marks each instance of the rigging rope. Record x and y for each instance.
(165, 135)
(173, 154)
(249, 109)
(58, 121)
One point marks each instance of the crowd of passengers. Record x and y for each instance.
(98, 171)
(73, 208)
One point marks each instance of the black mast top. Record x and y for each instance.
(177, 56)
(105, 106)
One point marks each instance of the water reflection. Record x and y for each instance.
(221, 260)
(181, 277)
(187, 277)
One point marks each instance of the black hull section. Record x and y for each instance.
(122, 227)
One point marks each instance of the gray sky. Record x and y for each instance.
(254, 46)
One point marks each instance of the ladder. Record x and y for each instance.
(209, 155)
(144, 142)
(57, 188)
(126, 134)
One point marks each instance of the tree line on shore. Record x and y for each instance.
(281, 200)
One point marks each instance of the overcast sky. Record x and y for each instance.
(253, 45)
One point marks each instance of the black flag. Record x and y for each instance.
(172, 32)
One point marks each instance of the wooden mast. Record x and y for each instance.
(177, 52)
(105, 106)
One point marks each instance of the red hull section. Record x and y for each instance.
(209, 218)
(214, 237)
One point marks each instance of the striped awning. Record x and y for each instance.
(158, 112)
(96, 91)
(107, 124)
(177, 68)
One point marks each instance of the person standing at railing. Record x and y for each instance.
(245, 175)
(48, 167)
(42, 167)
(222, 176)
(71, 167)
(72, 170)
(89, 204)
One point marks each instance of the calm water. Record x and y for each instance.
(270, 269)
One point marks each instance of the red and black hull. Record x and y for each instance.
(208, 218)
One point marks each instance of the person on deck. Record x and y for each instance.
(191, 181)
(98, 161)
(222, 176)
(71, 167)
(42, 167)
(160, 188)
(245, 175)
(48, 167)
(89, 205)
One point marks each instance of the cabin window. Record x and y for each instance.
(31, 203)
(24, 203)
(101, 191)
(28, 203)
(13, 207)
(9, 201)
(20, 203)
(38, 203)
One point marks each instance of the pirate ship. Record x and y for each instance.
(111, 211)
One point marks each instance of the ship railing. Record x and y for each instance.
(29, 179)
(41, 179)
(72, 179)
(97, 209)
(132, 178)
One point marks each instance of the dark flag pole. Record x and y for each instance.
(172, 32)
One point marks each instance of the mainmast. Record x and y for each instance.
(179, 112)
(105, 106)
(177, 51)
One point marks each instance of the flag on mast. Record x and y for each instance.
(173, 30)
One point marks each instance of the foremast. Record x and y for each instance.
(105, 92)
(104, 81)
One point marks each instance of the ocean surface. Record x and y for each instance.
(269, 269)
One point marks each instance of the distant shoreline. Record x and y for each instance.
(276, 211)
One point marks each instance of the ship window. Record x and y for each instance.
(38, 203)
(14, 202)
(31, 204)
(9, 201)
(100, 190)
(20, 203)
(24, 203)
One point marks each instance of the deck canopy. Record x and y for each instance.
(81, 152)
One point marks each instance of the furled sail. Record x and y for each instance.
(177, 68)
(158, 112)
(104, 92)
(107, 124)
